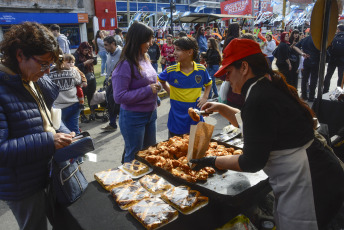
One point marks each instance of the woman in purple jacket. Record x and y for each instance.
(135, 87)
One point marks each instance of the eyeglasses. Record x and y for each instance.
(44, 67)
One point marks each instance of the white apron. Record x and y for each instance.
(290, 179)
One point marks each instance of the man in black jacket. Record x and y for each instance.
(310, 67)
(154, 54)
(336, 51)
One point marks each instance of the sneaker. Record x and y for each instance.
(109, 128)
(103, 74)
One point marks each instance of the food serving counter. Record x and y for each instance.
(96, 209)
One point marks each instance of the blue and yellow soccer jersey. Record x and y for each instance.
(185, 89)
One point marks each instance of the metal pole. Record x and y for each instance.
(171, 8)
(326, 22)
(283, 12)
(128, 13)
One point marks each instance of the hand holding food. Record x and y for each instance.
(194, 116)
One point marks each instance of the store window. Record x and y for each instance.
(72, 32)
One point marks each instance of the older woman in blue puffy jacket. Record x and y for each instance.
(27, 137)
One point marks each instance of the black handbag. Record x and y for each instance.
(82, 144)
(67, 181)
(89, 76)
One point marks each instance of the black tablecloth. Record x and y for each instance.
(330, 113)
(96, 209)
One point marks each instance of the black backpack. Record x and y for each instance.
(338, 45)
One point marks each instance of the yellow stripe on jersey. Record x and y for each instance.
(160, 80)
(209, 83)
(185, 95)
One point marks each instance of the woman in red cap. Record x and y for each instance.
(280, 138)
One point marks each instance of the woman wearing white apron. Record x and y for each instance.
(306, 178)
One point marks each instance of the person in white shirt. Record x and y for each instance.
(268, 47)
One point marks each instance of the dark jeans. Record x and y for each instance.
(284, 69)
(212, 69)
(155, 66)
(90, 89)
(70, 117)
(309, 71)
(330, 70)
(138, 130)
(293, 73)
(113, 107)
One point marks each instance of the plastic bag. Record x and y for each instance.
(240, 222)
(224, 91)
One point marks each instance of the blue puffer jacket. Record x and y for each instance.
(25, 148)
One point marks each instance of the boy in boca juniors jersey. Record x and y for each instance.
(185, 80)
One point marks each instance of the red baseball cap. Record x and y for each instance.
(236, 50)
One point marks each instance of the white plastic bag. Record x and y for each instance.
(224, 91)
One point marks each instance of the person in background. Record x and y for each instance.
(310, 67)
(28, 139)
(154, 54)
(185, 81)
(268, 47)
(67, 79)
(336, 59)
(119, 37)
(85, 61)
(201, 40)
(100, 50)
(135, 88)
(233, 99)
(283, 53)
(213, 58)
(233, 32)
(61, 38)
(167, 52)
(280, 138)
(182, 34)
(208, 33)
(294, 58)
(248, 36)
(114, 54)
(68, 62)
(203, 59)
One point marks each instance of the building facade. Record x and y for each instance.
(70, 15)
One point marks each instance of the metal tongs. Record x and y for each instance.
(202, 112)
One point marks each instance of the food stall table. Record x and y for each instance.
(96, 209)
(330, 113)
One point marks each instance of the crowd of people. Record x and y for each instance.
(279, 127)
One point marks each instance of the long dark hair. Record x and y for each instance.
(138, 34)
(291, 38)
(233, 32)
(260, 67)
(95, 42)
(89, 55)
(199, 32)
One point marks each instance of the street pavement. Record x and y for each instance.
(109, 148)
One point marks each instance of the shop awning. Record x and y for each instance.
(206, 18)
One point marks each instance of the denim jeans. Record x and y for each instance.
(212, 69)
(103, 57)
(138, 130)
(155, 66)
(70, 117)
